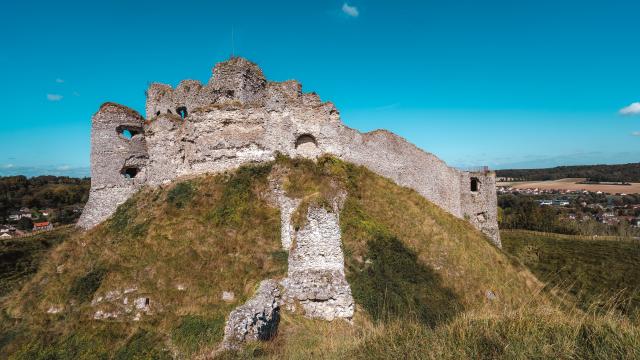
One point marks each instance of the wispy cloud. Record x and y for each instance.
(59, 81)
(350, 10)
(633, 109)
(54, 97)
(75, 93)
(636, 133)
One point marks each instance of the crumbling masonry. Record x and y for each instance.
(239, 117)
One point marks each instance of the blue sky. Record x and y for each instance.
(502, 83)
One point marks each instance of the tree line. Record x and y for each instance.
(609, 173)
(60, 193)
(522, 212)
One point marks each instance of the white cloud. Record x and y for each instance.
(350, 10)
(63, 168)
(633, 109)
(636, 133)
(59, 81)
(54, 97)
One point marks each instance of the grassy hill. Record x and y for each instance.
(426, 284)
(21, 257)
(593, 274)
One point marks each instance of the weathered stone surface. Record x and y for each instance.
(481, 207)
(257, 319)
(116, 305)
(287, 207)
(315, 278)
(228, 296)
(111, 155)
(142, 303)
(238, 117)
(54, 309)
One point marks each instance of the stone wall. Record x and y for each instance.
(480, 206)
(239, 117)
(118, 163)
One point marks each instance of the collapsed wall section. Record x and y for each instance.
(315, 279)
(236, 80)
(118, 161)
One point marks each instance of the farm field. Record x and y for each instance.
(572, 184)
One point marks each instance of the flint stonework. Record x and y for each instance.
(239, 117)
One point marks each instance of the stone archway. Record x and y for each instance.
(306, 145)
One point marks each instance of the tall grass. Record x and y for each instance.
(593, 274)
(20, 258)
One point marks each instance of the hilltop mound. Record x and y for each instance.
(160, 277)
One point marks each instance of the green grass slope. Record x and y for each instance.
(426, 284)
(594, 274)
(21, 257)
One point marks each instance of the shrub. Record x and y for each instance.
(181, 194)
(85, 286)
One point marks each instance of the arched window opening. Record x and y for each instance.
(474, 184)
(182, 111)
(130, 172)
(128, 132)
(306, 141)
(158, 113)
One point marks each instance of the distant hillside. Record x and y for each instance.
(622, 172)
(427, 285)
(44, 192)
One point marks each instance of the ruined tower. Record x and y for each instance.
(239, 117)
(118, 159)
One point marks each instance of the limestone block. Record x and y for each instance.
(257, 319)
(315, 277)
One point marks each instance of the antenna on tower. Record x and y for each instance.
(233, 49)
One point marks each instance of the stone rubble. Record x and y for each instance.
(142, 303)
(113, 304)
(55, 310)
(257, 319)
(228, 296)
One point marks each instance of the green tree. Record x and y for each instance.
(24, 224)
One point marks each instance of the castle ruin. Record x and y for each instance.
(239, 117)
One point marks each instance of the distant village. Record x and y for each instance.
(26, 221)
(583, 206)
